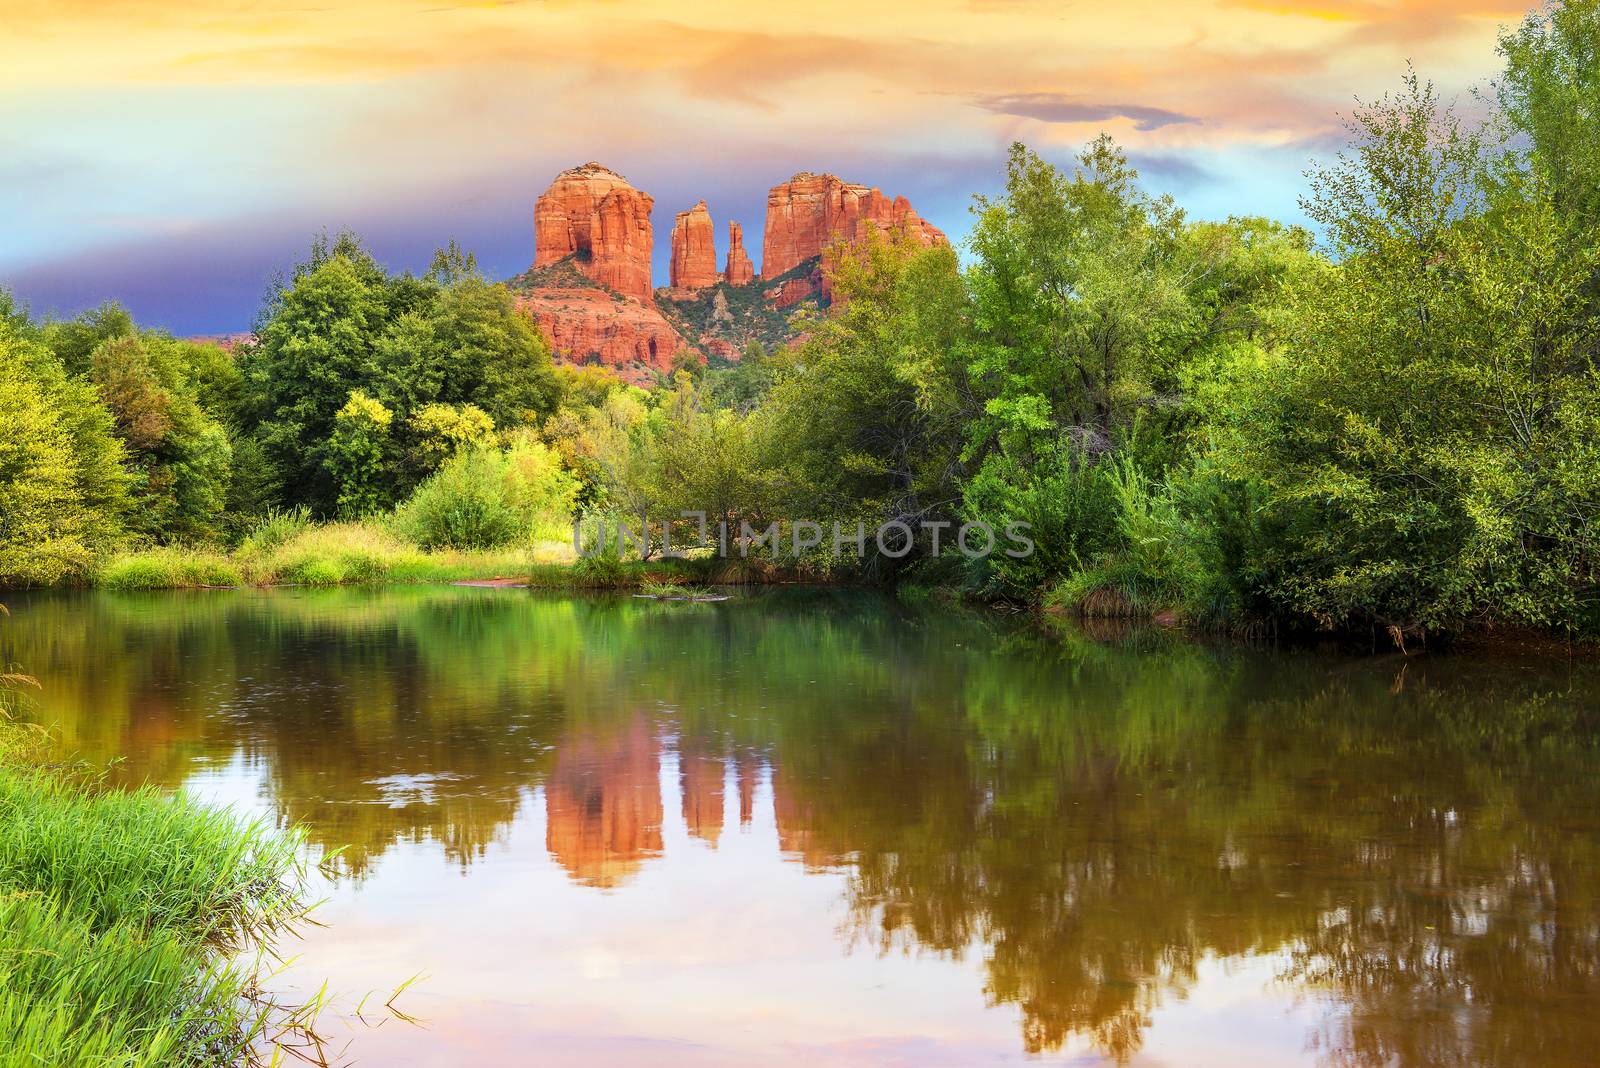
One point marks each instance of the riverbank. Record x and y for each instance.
(335, 554)
(340, 554)
(357, 553)
(131, 921)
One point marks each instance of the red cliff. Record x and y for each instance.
(740, 271)
(594, 215)
(809, 212)
(588, 325)
(694, 249)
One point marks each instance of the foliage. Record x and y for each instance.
(1426, 442)
(485, 497)
(63, 491)
(179, 453)
(341, 325)
(864, 419)
(356, 454)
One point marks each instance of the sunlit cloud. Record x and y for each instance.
(142, 131)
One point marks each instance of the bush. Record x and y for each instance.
(1069, 502)
(484, 498)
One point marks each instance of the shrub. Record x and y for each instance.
(1068, 500)
(483, 498)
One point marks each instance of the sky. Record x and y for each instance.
(175, 156)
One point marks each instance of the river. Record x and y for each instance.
(815, 827)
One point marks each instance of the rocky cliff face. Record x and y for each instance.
(594, 215)
(593, 326)
(694, 249)
(590, 287)
(809, 212)
(739, 271)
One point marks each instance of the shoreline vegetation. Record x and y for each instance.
(135, 924)
(1389, 427)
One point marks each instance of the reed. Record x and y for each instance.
(126, 921)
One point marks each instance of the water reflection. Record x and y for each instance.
(1413, 848)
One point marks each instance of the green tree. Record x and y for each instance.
(1077, 286)
(864, 418)
(341, 324)
(357, 454)
(179, 454)
(1426, 439)
(313, 347)
(63, 490)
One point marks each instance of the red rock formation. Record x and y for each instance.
(593, 326)
(694, 249)
(593, 214)
(740, 271)
(809, 212)
(795, 290)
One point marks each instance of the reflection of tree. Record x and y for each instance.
(1128, 815)
(1095, 818)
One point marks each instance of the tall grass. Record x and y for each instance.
(119, 914)
(291, 551)
(169, 568)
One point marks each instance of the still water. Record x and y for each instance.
(818, 828)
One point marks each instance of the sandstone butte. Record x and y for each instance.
(592, 213)
(694, 249)
(739, 271)
(809, 211)
(595, 217)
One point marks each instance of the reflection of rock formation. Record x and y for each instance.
(700, 778)
(603, 804)
(749, 769)
(798, 824)
(603, 799)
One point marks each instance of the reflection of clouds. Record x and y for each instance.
(398, 791)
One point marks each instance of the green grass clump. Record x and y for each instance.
(119, 913)
(334, 554)
(288, 549)
(168, 569)
(275, 528)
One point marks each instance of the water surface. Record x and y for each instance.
(819, 828)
